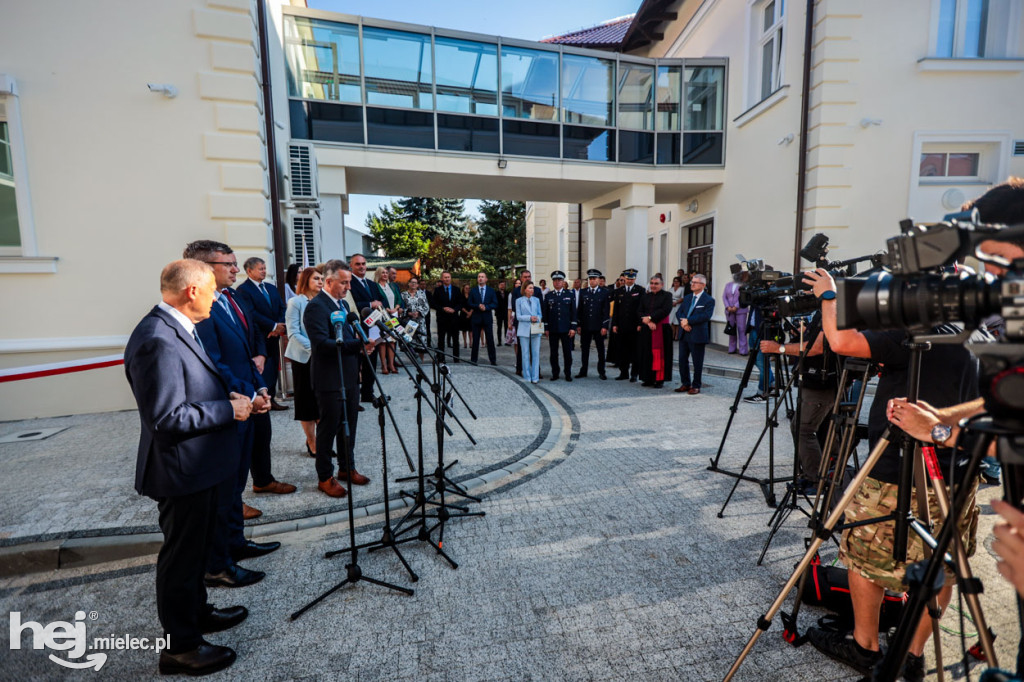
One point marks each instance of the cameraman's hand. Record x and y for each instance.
(916, 420)
(769, 347)
(1009, 544)
(821, 280)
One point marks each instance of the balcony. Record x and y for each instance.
(372, 84)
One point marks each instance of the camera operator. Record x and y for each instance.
(819, 386)
(949, 376)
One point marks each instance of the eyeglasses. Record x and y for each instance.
(232, 264)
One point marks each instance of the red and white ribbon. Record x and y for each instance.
(55, 368)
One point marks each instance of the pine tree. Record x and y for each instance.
(398, 237)
(502, 233)
(444, 218)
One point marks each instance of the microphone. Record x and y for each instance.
(354, 321)
(370, 319)
(338, 319)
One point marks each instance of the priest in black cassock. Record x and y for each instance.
(654, 342)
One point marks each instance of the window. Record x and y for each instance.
(975, 29)
(529, 83)
(767, 48)
(10, 232)
(467, 76)
(636, 96)
(398, 69)
(698, 249)
(663, 254)
(669, 89)
(323, 59)
(950, 165)
(587, 90)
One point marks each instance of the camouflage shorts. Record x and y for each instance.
(868, 549)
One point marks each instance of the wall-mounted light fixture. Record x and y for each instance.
(868, 122)
(502, 163)
(693, 206)
(165, 89)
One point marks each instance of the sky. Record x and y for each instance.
(525, 19)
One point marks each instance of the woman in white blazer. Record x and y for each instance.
(528, 314)
(298, 351)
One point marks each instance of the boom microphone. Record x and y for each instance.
(338, 319)
(357, 325)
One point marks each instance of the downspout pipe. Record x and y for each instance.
(272, 170)
(579, 240)
(801, 179)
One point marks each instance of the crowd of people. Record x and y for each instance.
(204, 368)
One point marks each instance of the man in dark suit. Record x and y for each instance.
(268, 312)
(231, 341)
(594, 317)
(188, 445)
(448, 302)
(365, 293)
(483, 300)
(501, 312)
(334, 384)
(559, 308)
(625, 320)
(694, 317)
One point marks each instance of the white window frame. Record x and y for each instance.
(663, 254)
(960, 31)
(758, 38)
(992, 169)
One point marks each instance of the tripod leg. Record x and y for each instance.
(319, 599)
(404, 590)
(765, 621)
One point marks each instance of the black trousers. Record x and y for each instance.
(448, 335)
(488, 331)
(366, 369)
(330, 432)
(585, 339)
(229, 531)
(815, 406)
(628, 362)
(262, 433)
(562, 339)
(502, 321)
(187, 522)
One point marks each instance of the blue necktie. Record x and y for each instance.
(449, 289)
(266, 294)
(196, 337)
(693, 304)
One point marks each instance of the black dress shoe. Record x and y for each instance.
(222, 619)
(554, 377)
(568, 377)
(659, 384)
(622, 377)
(647, 384)
(235, 576)
(632, 380)
(253, 549)
(581, 375)
(361, 409)
(604, 377)
(205, 659)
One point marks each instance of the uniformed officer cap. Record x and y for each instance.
(557, 274)
(594, 272)
(629, 273)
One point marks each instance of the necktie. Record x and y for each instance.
(238, 311)
(693, 304)
(196, 337)
(449, 290)
(266, 294)
(481, 294)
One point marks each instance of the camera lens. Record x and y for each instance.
(896, 302)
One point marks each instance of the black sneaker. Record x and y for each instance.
(913, 668)
(756, 399)
(844, 648)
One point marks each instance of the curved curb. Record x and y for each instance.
(556, 440)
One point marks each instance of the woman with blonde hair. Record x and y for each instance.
(392, 299)
(308, 285)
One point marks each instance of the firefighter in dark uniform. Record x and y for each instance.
(594, 319)
(625, 320)
(559, 310)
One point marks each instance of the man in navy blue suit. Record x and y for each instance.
(483, 300)
(364, 293)
(188, 446)
(231, 341)
(694, 317)
(268, 312)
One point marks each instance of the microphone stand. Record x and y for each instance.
(353, 572)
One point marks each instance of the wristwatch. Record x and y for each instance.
(782, 349)
(941, 433)
(827, 296)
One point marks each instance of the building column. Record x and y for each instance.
(597, 252)
(636, 240)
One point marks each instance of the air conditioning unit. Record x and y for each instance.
(305, 229)
(302, 175)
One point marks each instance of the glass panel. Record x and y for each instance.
(323, 59)
(398, 72)
(590, 144)
(467, 76)
(669, 148)
(705, 97)
(947, 29)
(769, 16)
(636, 147)
(587, 92)
(975, 28)
(326, 122)
(5, 151)
(961, 165)
(467, 133)
(669, 94)
(10, 233)
(932, 165)
(702, 148)
(529, 83)
(396, 128)
(636, 90)
(526, 138)
(767, 55)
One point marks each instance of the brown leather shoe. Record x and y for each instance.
(353, 477)
(250, 513)
(276, 406)
(694, 391)
(332, 488)
(682, 389)
(275, 487)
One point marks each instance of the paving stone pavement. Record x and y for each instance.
(610, 565)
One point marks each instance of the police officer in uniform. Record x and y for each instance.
(625, 321)
(594, 318)
(559, 310)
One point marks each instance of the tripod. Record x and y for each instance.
(843, 426)
(353, 573)
(771, 423)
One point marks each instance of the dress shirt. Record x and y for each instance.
(186, 323)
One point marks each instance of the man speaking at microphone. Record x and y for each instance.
(327, 376)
